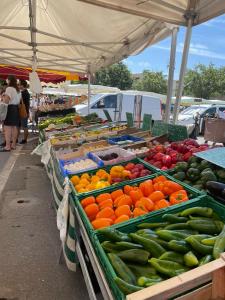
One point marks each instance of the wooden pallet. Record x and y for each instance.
(203, 283)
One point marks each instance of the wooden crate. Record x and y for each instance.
(203, 283)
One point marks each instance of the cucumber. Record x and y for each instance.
(135, 255)
(125, 287)
(172, 256)
(140, 270)
(127, 245)
(121, 269)
(145, 281)
(174, 219)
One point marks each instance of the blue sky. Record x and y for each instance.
(207, 46)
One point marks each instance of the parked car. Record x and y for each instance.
(149, 105)
(193, 116)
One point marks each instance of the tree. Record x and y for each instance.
(204, 81)
(116, 75)
(151, 82)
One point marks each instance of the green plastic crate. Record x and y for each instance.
(106, 189)
(132, 227)
(192, 195)
(171, 172)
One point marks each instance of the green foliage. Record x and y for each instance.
(151, 82)
(116, 75)
(205, 82)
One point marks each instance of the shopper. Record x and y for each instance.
(12, 97)
(2, 92)
(26, 100)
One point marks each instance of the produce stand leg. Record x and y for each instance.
(84, 269)
(60, 259)
(81, 232)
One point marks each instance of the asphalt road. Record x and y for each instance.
(3, 156)
(30, 245)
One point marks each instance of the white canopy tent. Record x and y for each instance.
(181, 12)
(85, 35)
(71, 35)
(170, 11)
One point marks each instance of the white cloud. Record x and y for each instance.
(137, 65)
(144, 64)
(161, 47)
(215, 22)
(129, 62)
(195, 49)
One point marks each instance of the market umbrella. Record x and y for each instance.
(23, 73)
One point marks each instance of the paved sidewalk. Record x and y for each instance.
(3, 155)
(29, 244)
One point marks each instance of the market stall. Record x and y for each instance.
(137, 218)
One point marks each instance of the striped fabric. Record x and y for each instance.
(57, 189)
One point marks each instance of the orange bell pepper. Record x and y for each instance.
(171, 187)
(178, 197)
(159, 186)
(160, 178)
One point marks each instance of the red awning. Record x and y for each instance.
(22, 73)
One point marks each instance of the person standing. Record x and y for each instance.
(12, 97)
(26, 100)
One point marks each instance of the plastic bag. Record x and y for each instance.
(3, 111)
(63, 211)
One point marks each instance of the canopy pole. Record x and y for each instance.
(183, 67)
(171, 73)
(89, 88)
(32, 15)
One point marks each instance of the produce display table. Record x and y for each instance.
(81, 235)
(54, 113)
(81, 243)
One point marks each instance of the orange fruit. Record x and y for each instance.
(106, 212)
(121, 218)
(127, 189)
(160, 178)
(139, 204)
(145, 203)
(87, 201)
(103, 197)
(146, 187)
(95, 179)
(102, 222)
(115, 194)
(113, 217)
(123, 200)
(91, 209)
(92, 217)
(85, 176)
(156, 196)
(90, 187)
(163, 203)
(106, 203)
(79, 186)
(75, 179)
(136, 195)
(126, 174)
(123, 210)
(83, 190)
(158, 186)
(84, 181)
(139, 212)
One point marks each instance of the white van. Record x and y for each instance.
(111, 102)
(187, 116)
